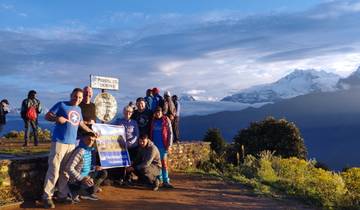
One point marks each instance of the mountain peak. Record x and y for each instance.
(352, 81)
(356, 73)
(298, 82)
(187, 97)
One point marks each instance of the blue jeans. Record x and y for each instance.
(164, 175)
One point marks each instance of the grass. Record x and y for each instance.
(14, 147)
(23, 151)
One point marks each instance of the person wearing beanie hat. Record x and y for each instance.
(149, 99)
(169, 108)
(159, 100)
(155, 90)
(167, 93)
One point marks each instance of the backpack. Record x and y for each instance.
(31, 113)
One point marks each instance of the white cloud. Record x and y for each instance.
(207, 57)
(6, 7)
(195, 92)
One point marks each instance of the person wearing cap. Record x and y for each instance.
(162, 136)
(4, 109)
(159, 100)
(142, 116)
(169, 109)
(31, 102)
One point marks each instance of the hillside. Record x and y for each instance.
(329, 123)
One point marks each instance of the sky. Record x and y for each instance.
(206, 48)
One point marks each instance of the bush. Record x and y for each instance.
(279, 136)
(352, 180)
(14, 135)
(218, 143)
(43, 135)
(265, 171)
(297, 177)
(301, 178)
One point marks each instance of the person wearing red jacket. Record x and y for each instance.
(162, 136)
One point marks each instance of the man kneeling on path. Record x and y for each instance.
(147, 164)
(83, 182)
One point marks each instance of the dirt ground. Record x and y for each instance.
(191, 192)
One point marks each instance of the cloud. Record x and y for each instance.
(209, 54)
(11, 8)
(195, 92)
(6, 7)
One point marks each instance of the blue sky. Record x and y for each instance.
(206, 48)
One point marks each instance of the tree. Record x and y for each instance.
(218, 143)
(280, 136)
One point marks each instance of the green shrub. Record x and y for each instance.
(14, 134)
(43, 135)
(279, 136)
(217, 142)
(249, 167)
(352, 180)
(265, 171)
(301, 178)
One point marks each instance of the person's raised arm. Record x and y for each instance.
(86, 128)
(53, 118)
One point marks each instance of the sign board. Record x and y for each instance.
(111, 145)
(105, 107)
(106, 83)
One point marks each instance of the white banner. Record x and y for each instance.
(108, 83)
(111, 145)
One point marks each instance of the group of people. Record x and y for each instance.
(76, 170)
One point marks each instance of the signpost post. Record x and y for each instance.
(105, 103)
(111, 143)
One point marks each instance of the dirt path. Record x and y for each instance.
(192, 192)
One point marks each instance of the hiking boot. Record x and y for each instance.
(92, 197)
(156, 185)
(65, 200)
(168, 185)
(48, 204)
(76, 199)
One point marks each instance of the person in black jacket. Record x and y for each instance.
(4, 109)
(31, 102)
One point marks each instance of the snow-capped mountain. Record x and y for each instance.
(186, 97)
(298, 82)
(352, 81)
